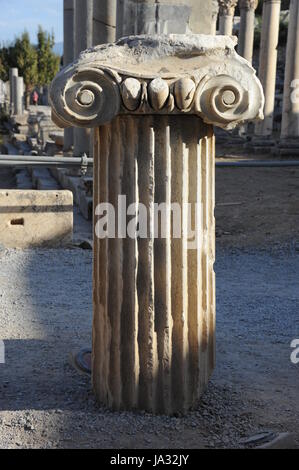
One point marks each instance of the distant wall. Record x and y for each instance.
(165, 17)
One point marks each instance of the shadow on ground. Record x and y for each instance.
(45, 313)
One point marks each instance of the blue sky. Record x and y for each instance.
(17, 15)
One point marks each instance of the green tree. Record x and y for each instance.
(3, 69)
(37, 64)
(7, 60)
(25, 55)
(48, 61)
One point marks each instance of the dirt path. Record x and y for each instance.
(257, 206)
(45, 312)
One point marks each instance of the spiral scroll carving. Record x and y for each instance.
(221, 99)
(89, 98)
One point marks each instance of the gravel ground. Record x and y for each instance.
(45, 312)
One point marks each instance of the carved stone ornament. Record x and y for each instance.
(248, 4)
(176, 74)
(227, 7)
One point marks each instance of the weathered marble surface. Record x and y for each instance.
(201, 75)
(166, 17)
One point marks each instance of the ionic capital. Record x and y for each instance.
(174, 75)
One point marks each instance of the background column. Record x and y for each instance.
(104, 21)
(104, 31)
(13, 72)
(68, 55)
(290, 112)
(246, 34)
(267, 67)
(226, 16)
(18, 91)
(83, 40)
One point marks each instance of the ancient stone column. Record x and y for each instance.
(83, 40)
(68, 30)
(104, 30)
(68, 54)
(18, 93)
(226, 16)
(13, 72)
(246, 34)
(153, 103)
(267, 67)
(104, 21)
(83, 26)
(290, 113)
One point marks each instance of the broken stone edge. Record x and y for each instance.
(177, 74)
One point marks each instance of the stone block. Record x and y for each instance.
(32, 142)
(23, 129)
(31, 218)
(20, 119)
(19, 138)
(51, 148)
(58, 138)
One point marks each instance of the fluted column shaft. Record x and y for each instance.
(154, 299)
(268, 63)
(290, 113)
